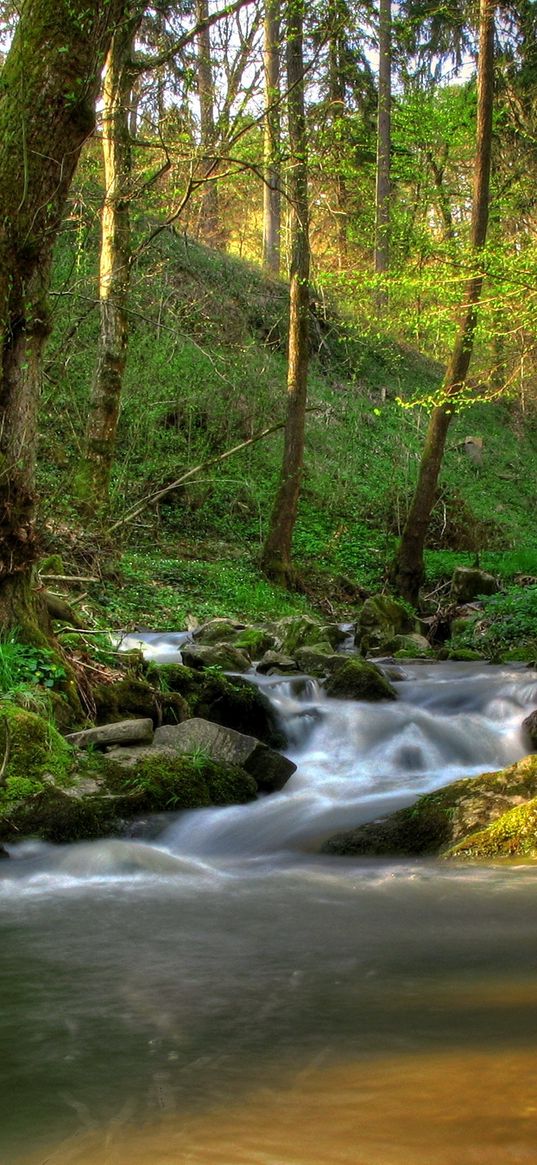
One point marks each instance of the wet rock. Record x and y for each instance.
(469, 582)
(412, 646)
(358, 680)
(137, 698)
(296, 631)
(217, 631)
(380, 620)
(235, 703)
(438, 821)
(530, 728)
(319, 660)
(275, 663)
(514, 834)
(121, 732)
(270, 770)
(222, 655)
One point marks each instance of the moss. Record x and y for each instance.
(183, 782)
(441, 820)
(53, 564)
(234, 704)
(33, 746)
(136, 697)
(254, 641)
(514, 834)
(358, 680)
(55, 817)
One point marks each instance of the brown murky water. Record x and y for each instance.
(476, 1109)
(222, 996)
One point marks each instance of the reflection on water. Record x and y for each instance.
(222, 997)
(444, 1109)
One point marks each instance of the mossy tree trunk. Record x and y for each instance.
(93, 478)
(47, 100)
(271, 145)
(276, 557)
(408, 567)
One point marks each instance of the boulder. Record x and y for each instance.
(412, 646)
(275, 663)
(530, 728)
(255, 641)
(236, 703)
(469, 582)
(221, 655)
(269, 769)
(295, 631)
(217, 631)
(438, 821)
(358, 680)
(381, 619)
(137, 698)
(514, 834)
(121, 732)
(319, 660)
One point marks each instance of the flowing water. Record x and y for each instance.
(225, 994)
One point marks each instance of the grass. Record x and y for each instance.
(206, 368)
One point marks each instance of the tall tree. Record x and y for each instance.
(382, 200)
(209, 220)
(47, 100)
(276, 557)
(409, 568)
(271, 187)
(92, 480)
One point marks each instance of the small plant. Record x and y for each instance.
(23, 668)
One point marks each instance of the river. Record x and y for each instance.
(223, 993)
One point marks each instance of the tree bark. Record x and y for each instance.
(276, 557)
(408, 567)
(383, 191)
(93, 477)
(47, 101)
(338, 13)
(271, 144)
(209, 217)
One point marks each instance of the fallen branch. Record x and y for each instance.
(70, 577)
(160, 493)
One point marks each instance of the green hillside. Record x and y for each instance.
(206, 370)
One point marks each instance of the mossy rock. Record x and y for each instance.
(172, 782)
(54, 815)
(255, 641)
(233, 703)
(221, 655)
(294, 631)
(411, 646)
(319, 660)
(381, 619)
(358, 680)
(463, 655)
(217, 631)
(440, 820)
(33, 751)
(513, 835)
(134, 697)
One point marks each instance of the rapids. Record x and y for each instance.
(223, 993)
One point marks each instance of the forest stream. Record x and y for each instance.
(223, 994)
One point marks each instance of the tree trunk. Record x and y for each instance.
(271, 186)
(209, 218)
(408, 568)
(338, 14)
(93, 477)
(47, 100)
(276, 558)
(382, 201)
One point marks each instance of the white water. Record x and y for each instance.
(226, 968)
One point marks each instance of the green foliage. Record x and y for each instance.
(506, 627)
(28, 673)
